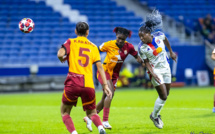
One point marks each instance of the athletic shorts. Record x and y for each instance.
(71, 94)
(164, 78)
(114, 80)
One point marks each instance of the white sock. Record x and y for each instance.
(100, 127)
(74, 132)
(88, 119)
(158, 106)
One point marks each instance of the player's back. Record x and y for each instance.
(82, 55)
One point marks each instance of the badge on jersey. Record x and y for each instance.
(125, 52)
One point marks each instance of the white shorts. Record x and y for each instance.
(164, 78)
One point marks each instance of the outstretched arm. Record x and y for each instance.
(148, 66)
(172, 54)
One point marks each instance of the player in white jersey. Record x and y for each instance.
(152, 51)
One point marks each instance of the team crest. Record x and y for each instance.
(158, 41)
(125, 52)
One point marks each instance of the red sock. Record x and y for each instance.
(67, 120)
(96, 120)
(105, 113)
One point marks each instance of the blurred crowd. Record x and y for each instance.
(207, 28)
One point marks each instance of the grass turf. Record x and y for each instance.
(187, 110)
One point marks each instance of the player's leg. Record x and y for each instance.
(167, 88)
(159, 103)
(69, 99)
(99, 107)
(67, 120)
(92, 114)
(100, 104)
(89, 105)
(107, 104)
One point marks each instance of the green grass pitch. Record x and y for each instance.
(187, 110)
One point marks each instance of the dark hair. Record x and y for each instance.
(153, 22)
(81, 28)
(120, 30)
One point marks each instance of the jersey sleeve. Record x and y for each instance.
(159, 35)
(104, 46)
(132, 51)
(66, 46)
(213, 51)
(96, 55)
(141, 53)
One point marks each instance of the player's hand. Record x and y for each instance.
(107, 91)
(63, 59)
(173, 56)
(156, 78)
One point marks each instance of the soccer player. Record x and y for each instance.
(213, 58)
(152, 51)
(81, 54)
(117, 51)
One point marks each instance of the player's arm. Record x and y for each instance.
(213, 55)
(134, 53)
(149, 68)
(61, 54)
(105, 85)
(139, 60)
(172, 54)
(64, 51)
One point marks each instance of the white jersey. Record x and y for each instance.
(160, 61)
(213, 51)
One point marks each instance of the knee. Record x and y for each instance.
(63, 114)
(90, 114)
(163, 97)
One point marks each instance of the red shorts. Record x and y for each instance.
(71, 94)
(114, 80)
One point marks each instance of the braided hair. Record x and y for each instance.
(153, 22)
(81, 28)
(120, 30)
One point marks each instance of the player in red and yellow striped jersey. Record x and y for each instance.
(81, 54)
(117, 51)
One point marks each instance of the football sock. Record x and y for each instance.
(158, 106)
(100, 127)
(96, 120)
(74, 132)
(106, 113)
(67, 120)
(88, 119)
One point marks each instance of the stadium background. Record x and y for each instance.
(28, 62)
